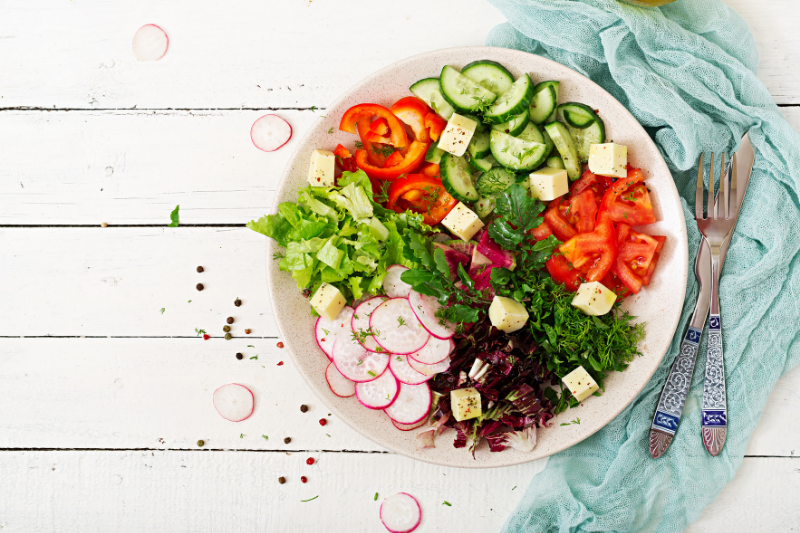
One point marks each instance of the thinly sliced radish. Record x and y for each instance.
(411, 405)
(399, 366)
(397, 328)
(393, 286)
(430, 370)
(401, 513)
(270, 132)
(360, 322)
(379, 393)
(150, 43)
(327, 331)
(408, 427)
(356, 363)
(435, 351)
(340, 385)
(234, 402)
(425, 308)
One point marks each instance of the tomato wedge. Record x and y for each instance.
(628, 201)
(563, 272)
(611, 281)
(397, 135)
(571, 215)
(435, 125)
(542, 231)
(593, 253)
(637, 256)
(412, 111)
(598, 184)
(421, 194)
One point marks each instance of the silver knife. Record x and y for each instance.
(676, 389)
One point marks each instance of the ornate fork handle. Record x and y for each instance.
(715, 411)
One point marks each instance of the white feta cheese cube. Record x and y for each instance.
(462, 222)
(328, 301)
(594, 298)
(321, 169)
(580, 384)
(457, 134)
(507, 314)
(465, 403)
(549, 183)
(608, 159)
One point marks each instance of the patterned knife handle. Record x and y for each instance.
(715, 409)
(673, 397)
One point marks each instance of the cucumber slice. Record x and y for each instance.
(489, 75)
(482, 126)
(584, 138)
(434, 154)
(554, 161)
(548, 141)
(566, 147)
(478, 147)
(429, 92)
(485, 206)
(482, 165)
(544, 102)
(462, 93)
(514, 153)
(494, 182)
(512, 102)
(515, 125)
(457, 178)
(532, 133)
(576, 115)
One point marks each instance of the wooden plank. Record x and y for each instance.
(182, 491)
(133, 167)
(156, 393)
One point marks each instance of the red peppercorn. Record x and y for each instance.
(322, 421)
(310, 461)
(280, 345)
(303, 479)
(206, 337)
(280, 364)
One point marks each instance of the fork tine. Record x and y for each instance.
(698, 198)
(734, 193)
(710, 209)
(725, 186)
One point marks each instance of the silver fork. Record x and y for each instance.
(717, 228)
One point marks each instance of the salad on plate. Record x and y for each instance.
(467, 257)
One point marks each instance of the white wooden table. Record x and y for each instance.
(105, 388)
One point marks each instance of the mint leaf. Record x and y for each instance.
(175, 221)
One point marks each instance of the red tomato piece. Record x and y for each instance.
(628, 201)
(412, 111)
(421, 194)
(571, 215)
(593, 253)
(563, 272)
(542, 231)
(598, 184)
(637, 256)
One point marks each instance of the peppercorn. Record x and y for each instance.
(229, 320)
(322, 421)
(281, 480)
(200, 287)
(280, 345)
(237, 302)
(310, 461)
(247, 331)
(239, 356)
(201, 443)
(226, 329)
(228, 336)
(303, 479)
(287, 440)
(303, 408)
(200, 269)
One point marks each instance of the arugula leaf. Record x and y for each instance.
(516, 208)
(464, 277)
(461, 313)
(174, 221)
(441, 262)
(419, 250)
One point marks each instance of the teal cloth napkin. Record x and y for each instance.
(687, 72)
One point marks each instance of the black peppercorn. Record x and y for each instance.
(230, 320)
(303, 408)
(226, 329)
(239, 356)
(200, 269)
(237, 302)
(200, 287)
(281, 480)
(287, 440)
(228, 336)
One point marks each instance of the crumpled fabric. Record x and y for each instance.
(687, 72)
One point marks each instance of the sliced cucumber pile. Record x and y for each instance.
(489, 75)
(515, 153)
(457, 178)
(494, 182)
(584, 125)
(512, 102)
(479, 145)
(429, 92)
(462, 93)
(566, 147)
(482, 165)
(515, 125)
(544, 102)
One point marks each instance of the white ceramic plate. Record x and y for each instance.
(659, 304)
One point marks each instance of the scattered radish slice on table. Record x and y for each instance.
(356, 363)
(327, 331)
(234, 402)
(425, 308)
(270, 132)
(411, 405)
(339, 385)
(399, 366)
(150, 43)
(378, 393)
(393, 286)
(401, 513)
(435, 351)
(360, 322)
(397, 328)
(429, 370)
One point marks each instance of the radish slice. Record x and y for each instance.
(425, 308)
(399, 366)
(409, 427)
(379, 393)
(393, 286)
(360, 321)
(411, 405)
(397, 328)
(434, 351)
(340, 385)
(400, 513)
(430, 370)
(234, 402)
(270, 132)
(356, 363)
(327, 331)
(150, 43)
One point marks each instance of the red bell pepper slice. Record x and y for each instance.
(412, 111)
(411, 160)
(563, 272)
(379, 127)
(421, 194)
(628, 201)
(637, 256)
(571, 215)
(593, 253)
(341, 151)
(435, 125)
(393, 160)
(352, 117)
(542, 231)
(429, 169)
